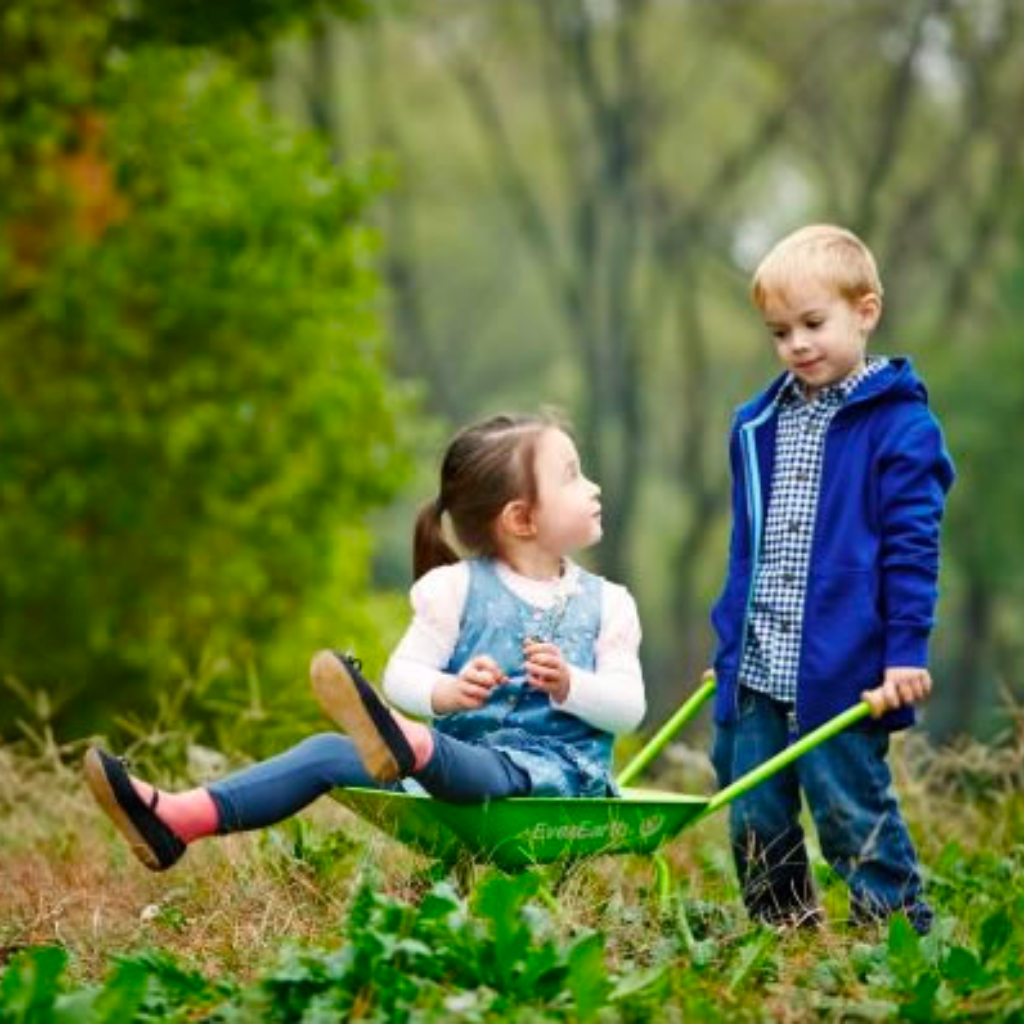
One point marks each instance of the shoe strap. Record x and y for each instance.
(155, 798)
(350, 659)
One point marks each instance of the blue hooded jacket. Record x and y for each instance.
(872, 582)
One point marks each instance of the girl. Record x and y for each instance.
(527, 664)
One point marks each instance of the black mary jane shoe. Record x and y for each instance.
(150, 839)
(352, 703)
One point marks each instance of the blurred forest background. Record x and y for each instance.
(257, 259)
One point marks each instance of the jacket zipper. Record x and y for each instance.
(752, 478)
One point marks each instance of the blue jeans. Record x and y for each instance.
(848, 787)
(276, 789)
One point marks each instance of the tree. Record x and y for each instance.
(585, 187)
(198, 409)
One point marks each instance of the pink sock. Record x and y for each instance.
(189, 815)
(420, 738)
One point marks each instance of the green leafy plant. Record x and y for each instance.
(448, 956)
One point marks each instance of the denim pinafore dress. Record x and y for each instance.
(562, 754)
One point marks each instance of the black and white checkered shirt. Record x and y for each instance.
(771, 656)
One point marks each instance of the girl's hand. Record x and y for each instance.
(546, 670)
(469, 689)
(900, 687)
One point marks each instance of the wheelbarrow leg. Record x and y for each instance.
(553, 876)
(664, 882)
(547, 895)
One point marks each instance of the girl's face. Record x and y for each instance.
(567, 516)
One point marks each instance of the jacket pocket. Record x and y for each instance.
(844, 635)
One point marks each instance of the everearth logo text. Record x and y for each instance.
(612, 831)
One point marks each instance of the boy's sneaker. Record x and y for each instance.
(149, 838)
(352, 703)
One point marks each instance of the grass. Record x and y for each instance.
(271, 920)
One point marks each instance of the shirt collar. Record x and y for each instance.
(792, 390)
(562, 586)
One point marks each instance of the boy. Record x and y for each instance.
(839, 479)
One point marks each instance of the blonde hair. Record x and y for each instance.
(830, 255)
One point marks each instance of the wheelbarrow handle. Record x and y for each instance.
(660, 739)
(696, 701)
(774, 764)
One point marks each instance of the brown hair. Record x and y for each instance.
(486, 465)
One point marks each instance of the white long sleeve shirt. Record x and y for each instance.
(610, 698)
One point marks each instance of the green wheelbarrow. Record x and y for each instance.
(522, 832)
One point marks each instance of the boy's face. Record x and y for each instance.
(820, 336)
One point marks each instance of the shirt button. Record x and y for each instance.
(794, 527)
(789, 579)
(783, 626)
(803, 475)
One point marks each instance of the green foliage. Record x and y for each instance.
(48, 50)
(400, 962)
(940, 979)
(198, 414)
(31, 985)
(500, 954)
(242, 27)
(971, 966)
(146, 987)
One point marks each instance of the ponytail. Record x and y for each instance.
(429, 548)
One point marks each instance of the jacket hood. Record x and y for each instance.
(896, 382)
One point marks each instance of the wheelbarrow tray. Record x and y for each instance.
(520, 832)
